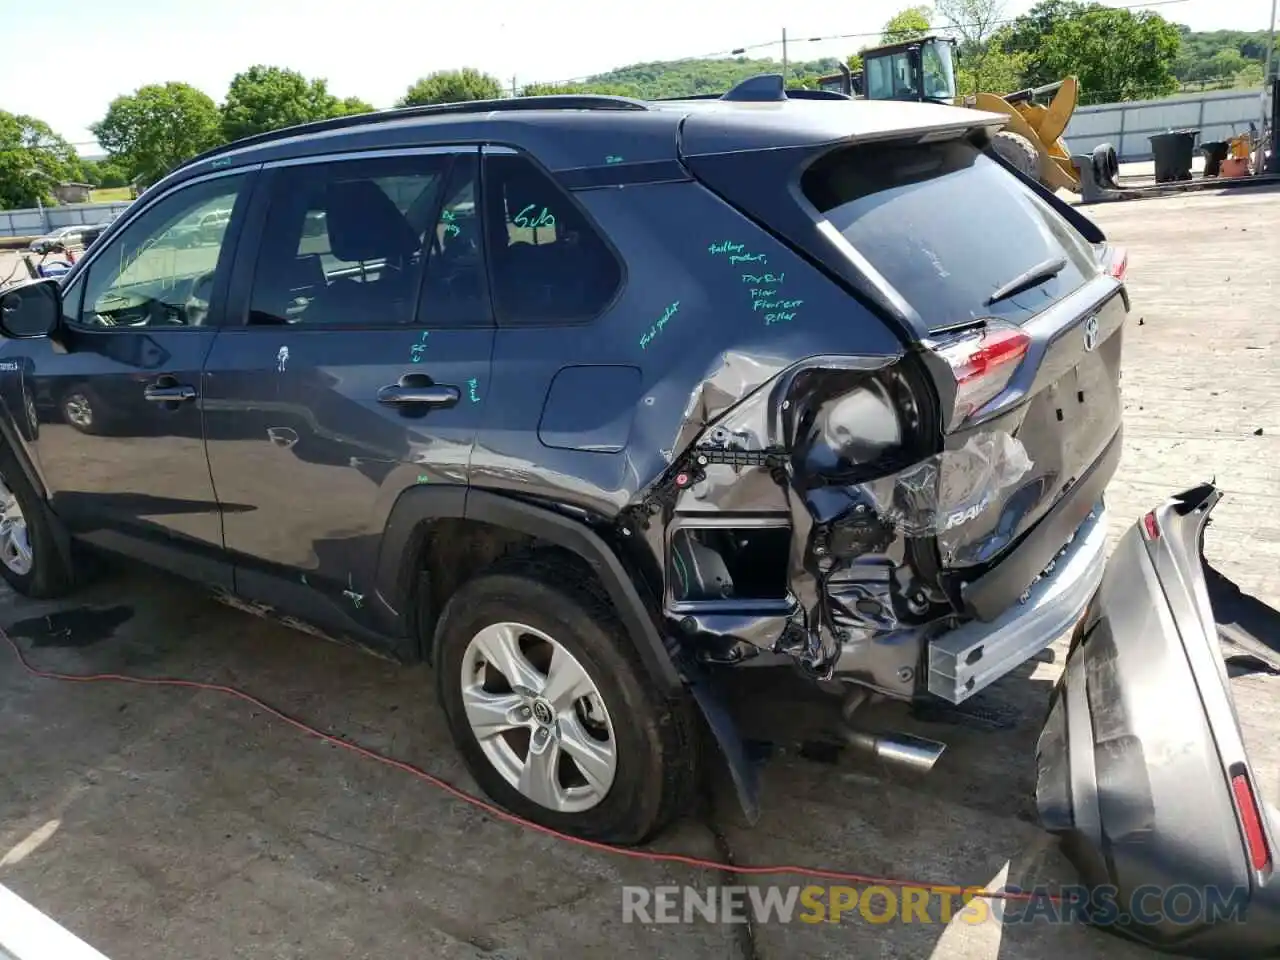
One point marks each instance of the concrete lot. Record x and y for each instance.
(161, 823)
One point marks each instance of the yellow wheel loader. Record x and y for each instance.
(923, 70)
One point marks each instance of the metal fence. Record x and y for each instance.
(33, 222)
(1217, 114)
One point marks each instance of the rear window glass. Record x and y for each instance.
(947, 226)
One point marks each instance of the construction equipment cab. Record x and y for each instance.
(919, 70)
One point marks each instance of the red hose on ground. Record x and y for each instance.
(815, 873)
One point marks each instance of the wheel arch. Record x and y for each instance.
(418, 507)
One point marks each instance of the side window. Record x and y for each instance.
(159, 270)
(549, 265)
(346, 242)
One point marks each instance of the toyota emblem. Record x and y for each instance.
(1090, 334)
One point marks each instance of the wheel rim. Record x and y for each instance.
(538, 717)
(15, 547)
(78, 410)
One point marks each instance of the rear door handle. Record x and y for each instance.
(416, 390)
(169, 392)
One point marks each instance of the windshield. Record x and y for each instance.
(947, 227)
(892, 76)
(939, 71)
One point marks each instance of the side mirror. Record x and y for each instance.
(30, 310)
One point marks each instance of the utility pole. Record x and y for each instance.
(1266, 86)
(784, 56)
(513, 86)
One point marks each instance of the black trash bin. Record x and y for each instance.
(1172, 152)
(1215, 151)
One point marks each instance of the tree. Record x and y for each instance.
(1000, 73)
(605, 89)
(1225, 64)
(32, 159)
(158, 127)
(267, 98)
(451, 86)
(348, 106)
(90, 172)
(113, 174)
(907, 24)
(975, 23)
(854, 61)
(1117, 54)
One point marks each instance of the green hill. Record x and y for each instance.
(681, 78)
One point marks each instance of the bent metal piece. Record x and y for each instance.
(1141, 764)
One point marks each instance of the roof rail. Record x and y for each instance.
(565, 101)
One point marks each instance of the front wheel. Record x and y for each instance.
(553, 713)
(30, 561)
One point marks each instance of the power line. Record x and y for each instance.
(738, 51)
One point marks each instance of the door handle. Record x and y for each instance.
(414, 389)
(169, 392)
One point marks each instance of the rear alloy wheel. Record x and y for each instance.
(552, 711)
(538, 717)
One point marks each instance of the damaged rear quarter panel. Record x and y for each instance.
(710, 314)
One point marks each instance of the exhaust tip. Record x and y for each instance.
(902, 750)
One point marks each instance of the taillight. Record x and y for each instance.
(1115, 260)
(1150, 527)
(1255, 840)
(983, 364)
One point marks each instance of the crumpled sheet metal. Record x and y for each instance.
(948, 490)
(936, 497)
(735, 378)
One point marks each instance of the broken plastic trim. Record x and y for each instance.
(840, 450)
(939, 496)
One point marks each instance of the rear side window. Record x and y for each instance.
(947, 226)
(548, 264)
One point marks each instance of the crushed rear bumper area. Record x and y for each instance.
(1141, 765)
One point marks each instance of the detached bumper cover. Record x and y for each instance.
(1137, 760)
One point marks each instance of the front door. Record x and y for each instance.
(118, 434)
(359, 368)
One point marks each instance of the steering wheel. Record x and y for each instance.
(196, 308)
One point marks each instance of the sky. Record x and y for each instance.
(374, 49)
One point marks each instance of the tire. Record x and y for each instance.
(1106, 164)
(654, 740)
(1018, 151)
(25, 519)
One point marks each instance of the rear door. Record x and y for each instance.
(358, 366)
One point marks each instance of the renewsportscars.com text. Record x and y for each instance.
(1103, 906)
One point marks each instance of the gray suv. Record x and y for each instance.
(587, 401)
